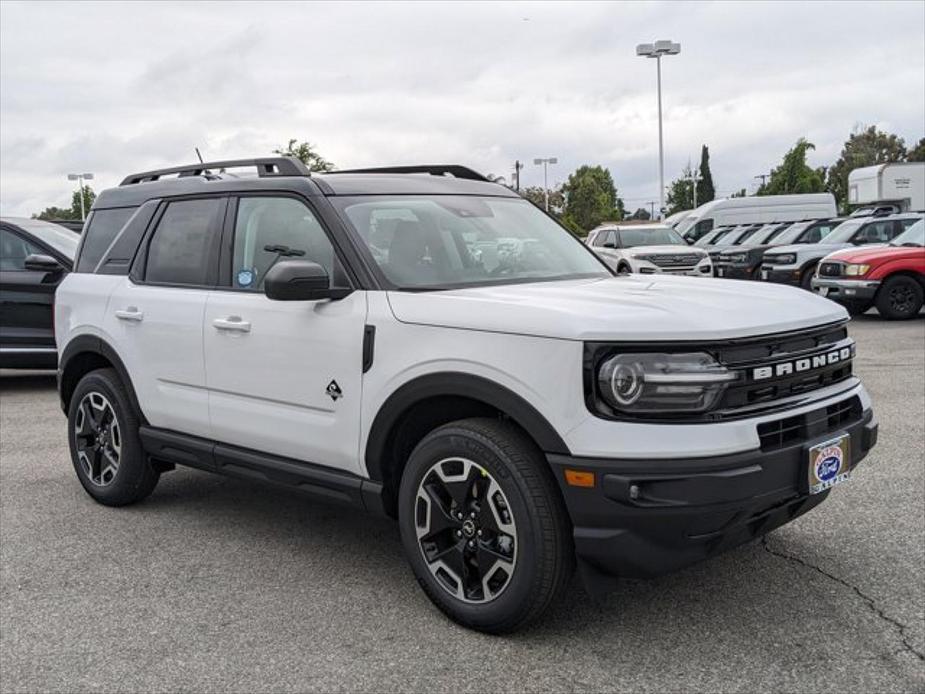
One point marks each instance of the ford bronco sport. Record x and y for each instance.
(423, 344)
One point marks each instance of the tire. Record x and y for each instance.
(623, 269)
(528, 569)
(806, 279)
(102, 430)
(857, 308)
(899, 298)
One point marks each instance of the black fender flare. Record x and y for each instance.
(465, 385)
(90, 344)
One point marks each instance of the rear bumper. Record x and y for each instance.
(846, 290)
(643, 518)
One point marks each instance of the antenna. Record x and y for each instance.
(198, 154)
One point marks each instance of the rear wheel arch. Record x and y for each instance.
(88, 353)
(428, 402)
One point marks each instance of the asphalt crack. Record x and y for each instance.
(901, 628)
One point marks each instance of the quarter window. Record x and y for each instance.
(13, 251)
(100, 232)
(184, 243)
(268, 230)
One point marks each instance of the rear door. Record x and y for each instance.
(155, 315)
(284, 377)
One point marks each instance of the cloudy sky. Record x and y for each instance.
(114, 88)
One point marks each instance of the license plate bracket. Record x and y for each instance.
(828, 463)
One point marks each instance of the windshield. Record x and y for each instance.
(913, 236)
(844, 231)
(731, 236)
(444, 241)
(651, 236)
(60, 238)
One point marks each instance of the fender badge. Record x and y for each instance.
(333, 390)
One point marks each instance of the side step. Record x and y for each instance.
(315, 480)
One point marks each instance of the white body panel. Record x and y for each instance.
(761, 209)
(267, 384)
(902, 182)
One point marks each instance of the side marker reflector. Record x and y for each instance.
(579, 478)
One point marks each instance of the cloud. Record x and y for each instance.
(115, 88)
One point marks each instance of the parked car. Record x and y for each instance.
(745, 262)
(514, 412)
(34, 258)
(796, 264)
(891, 277)
(756, 209)
(714, 244)
(648, 249)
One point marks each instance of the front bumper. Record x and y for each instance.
(844, 290)
(643, 518)
(736, 272)
(788, 275)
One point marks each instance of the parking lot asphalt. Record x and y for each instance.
(213, 584)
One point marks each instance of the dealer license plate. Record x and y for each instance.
(764, 274)
(720, 272)
(829, 463)
(823, 291)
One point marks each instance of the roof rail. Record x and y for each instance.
(266, 166)
(455, 170)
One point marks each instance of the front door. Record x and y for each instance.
(284, 377)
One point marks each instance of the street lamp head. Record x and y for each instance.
(658, 49)
(73, 177)
(553, 160)
(546, 160)
(537, 162)
(645, 49)
(88, 176)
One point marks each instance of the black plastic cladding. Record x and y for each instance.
(739, 352)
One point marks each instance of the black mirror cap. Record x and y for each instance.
(300, 280)
(42, 263)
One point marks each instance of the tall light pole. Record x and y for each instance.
(80, 178)
(657, 50)
(545, 162)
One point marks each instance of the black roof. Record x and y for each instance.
(286, 173)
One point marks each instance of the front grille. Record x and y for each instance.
(677, 260)
(781, 433)
(830, 269)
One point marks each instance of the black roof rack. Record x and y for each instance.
(266, 166)
(455, 170)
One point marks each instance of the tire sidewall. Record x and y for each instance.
(515, 598)
(130, 473)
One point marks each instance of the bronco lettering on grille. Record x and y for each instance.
(817, 361)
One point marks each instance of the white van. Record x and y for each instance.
(757, 209)
(676, 218)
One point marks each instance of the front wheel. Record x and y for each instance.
(899, 298)
(806, 279)
(484, 526)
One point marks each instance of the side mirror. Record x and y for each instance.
(609, 244)
(42, 263)
(690, 240)
(300, 280)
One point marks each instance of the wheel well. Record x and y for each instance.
(76, 368)
(918, 277)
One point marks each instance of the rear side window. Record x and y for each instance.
(184, 243)
(101, 230)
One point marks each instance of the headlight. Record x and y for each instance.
(640, 383)
(856, 270)
(786, 259)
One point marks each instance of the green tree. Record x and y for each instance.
(590, 198)
(74, 211)
(681, 192)
(305, 151)
(864, 147)
(917, 153)
(739, 193)
(705, 189)
(794, 175)
(536, 195)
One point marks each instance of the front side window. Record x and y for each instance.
(875, 232)
(442, 241)
(13, 251)
(268, 230)
(100, 232)
(184, 243)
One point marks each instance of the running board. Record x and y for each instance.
(314, 480)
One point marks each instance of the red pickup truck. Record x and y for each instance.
(891, 277)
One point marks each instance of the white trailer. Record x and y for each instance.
(901, 183)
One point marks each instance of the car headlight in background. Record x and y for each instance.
(855, 270)
(785, 259)
(640, 383)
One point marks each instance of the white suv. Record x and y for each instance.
(648, 249)
(423, 344)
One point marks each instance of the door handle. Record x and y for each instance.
(233, 323)
(131, 313)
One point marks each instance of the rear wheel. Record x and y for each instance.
(899, 297)
(484, 526)
(105, 448)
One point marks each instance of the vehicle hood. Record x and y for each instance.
(806, 250)
(632, 307)
(673, 249)
(880, 252)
